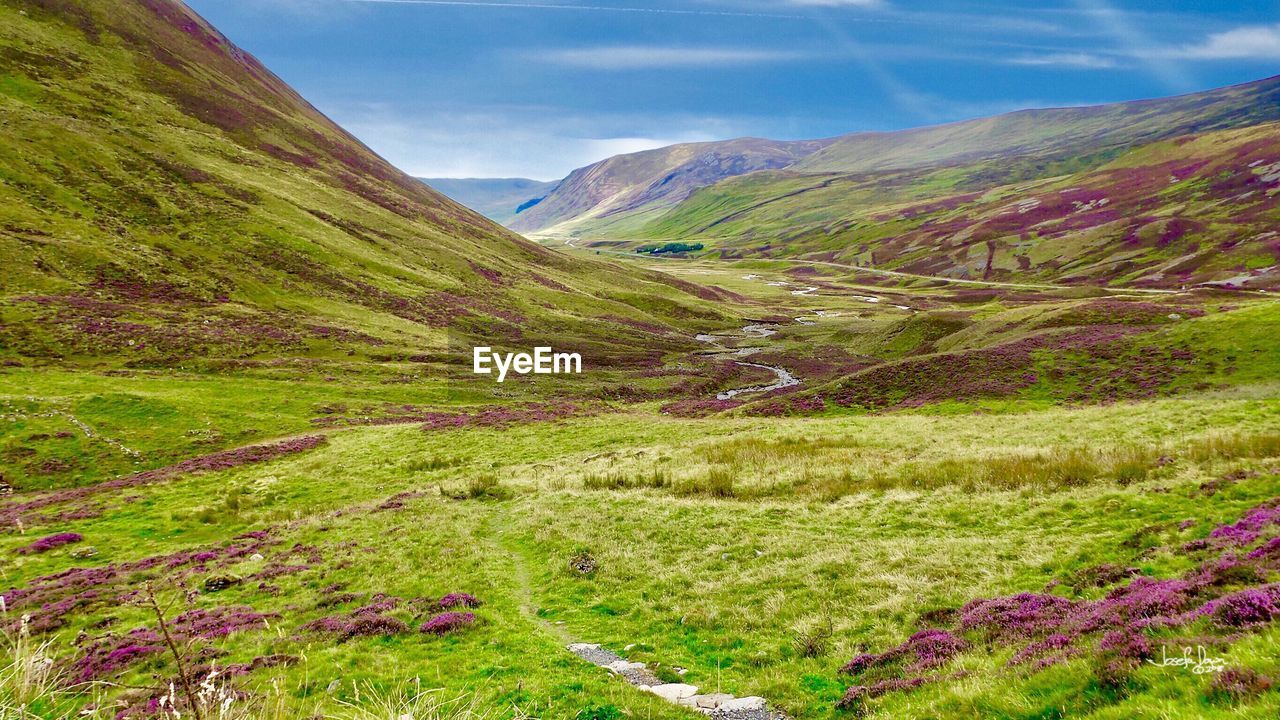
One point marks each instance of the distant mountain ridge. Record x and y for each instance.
(499, 199)
(1171, 191)
(591, 198)
(623, 186)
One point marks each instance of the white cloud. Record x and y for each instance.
(1083, 61)
(543, 143)
(1261, 42)
(645, 57)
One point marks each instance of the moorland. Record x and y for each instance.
(247, 474)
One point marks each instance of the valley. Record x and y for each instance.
(922, 428)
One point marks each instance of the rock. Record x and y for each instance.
(257, 557)
(594, 654)
(583, 564)
(215, 583)
(86, 551)
(622, 666)
(333, 686)
(674, 692)
(743, 704)
(712, 701)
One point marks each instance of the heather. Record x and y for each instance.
(244, 466)
(1222, 596)
(404, 564)
(50, 542)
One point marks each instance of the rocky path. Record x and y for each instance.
(721, 706)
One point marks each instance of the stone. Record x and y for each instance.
(711, 701)
(622, 666)
(743, 704)
(674, 692)
(215, 583)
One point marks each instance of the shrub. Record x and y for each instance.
(45, 544)
(368, 625)
(718, 482)
(453, 600)
(1235, 684)
(448, 622)
(479, 487)
(812, 642)
(1131, 463)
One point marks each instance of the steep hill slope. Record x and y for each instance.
(499, 199)
(640, 184)
(167, 199)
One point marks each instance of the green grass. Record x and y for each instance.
(692, 573)
(197, 261)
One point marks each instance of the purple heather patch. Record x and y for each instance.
(109, 656)
(446, 623)
(1223, 591)
(50, 542)
(1249, 528)
(453, 600)
(927, 649)
(50, 599)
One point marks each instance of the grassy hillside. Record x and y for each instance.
(1198, 208)
(1162, 192)
(759, 556)
(170, 209)
(1053, 134)
(166, 199)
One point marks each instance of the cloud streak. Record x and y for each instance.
(582, 8)
(639, 57)
(1079, 60)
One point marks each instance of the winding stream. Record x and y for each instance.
(756, 331)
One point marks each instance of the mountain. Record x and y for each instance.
(167, 199)
(627, 189)
(1165, 192)
(1081, 133)
(1189, 210)
(499, 199)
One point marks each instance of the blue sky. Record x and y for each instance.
(535, 88)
